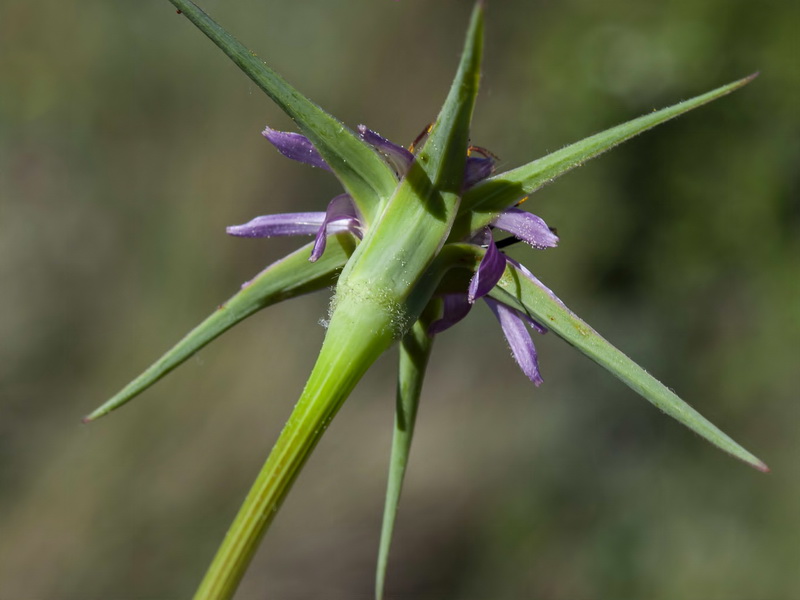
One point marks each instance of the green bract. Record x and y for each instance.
(419, 229)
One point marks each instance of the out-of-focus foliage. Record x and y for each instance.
(127, 143)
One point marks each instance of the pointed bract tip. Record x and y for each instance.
(745, 80)
(93, 416)
(752, 461)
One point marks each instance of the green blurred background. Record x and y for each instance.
(127, 144)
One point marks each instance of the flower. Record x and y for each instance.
(341, 216)
(419, 214)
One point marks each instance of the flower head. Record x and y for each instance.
(341, 216)
(398, 243)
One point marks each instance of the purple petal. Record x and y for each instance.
(482, 237)
(476, 169)
(280, 225)
(398, 157)
(456, 307)
(526, 227)
(295, 146)
(489, 272)
(340, 216)
(533, 323)
(538, 327)
(518, 338)
(530, 276)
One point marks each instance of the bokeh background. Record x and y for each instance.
(128, 143)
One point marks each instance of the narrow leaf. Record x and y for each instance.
(292, 276)
(365, 176)
(518, 289)
(502, 191)
(415, 349)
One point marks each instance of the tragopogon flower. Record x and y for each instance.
(410, 248)
(341, 216)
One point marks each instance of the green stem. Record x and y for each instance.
(357, 335)
(415, 350)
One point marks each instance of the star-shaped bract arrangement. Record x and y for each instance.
(409, 246)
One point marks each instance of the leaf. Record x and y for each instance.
(415, 349)
(365, 176)
(502, 191)
(291, 276)
(517, 289)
